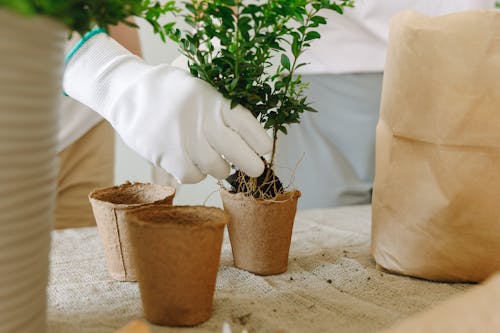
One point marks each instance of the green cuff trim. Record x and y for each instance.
(82, 41)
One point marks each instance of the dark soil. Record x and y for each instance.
(267, 183)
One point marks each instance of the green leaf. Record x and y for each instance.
(278, 85)
(319, 19)
(193, 71)
(312, 35)
(301, 65)
(336, 8)
(168, 27)
(190, 7)
(285, 61)
(234, 103)
(296, 47)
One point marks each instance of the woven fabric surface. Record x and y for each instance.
(331, 285)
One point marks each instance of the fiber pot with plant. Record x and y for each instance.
(232, 44)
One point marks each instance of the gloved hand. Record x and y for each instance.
(178, 122)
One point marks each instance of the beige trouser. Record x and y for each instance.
(85, 165)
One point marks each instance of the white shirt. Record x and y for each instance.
(75, 119)
(356, 42)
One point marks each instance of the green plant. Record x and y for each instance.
(82, 15)
(231, 44)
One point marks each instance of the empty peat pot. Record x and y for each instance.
(261, 230)
(177, 252)
(109, 205)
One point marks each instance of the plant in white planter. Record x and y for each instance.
(32, 39)
(231, 44)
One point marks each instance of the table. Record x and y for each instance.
(331, 285)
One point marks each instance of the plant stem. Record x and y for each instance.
(275, 141)
(291, 73)
(273, 154)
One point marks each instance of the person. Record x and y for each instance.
(175, 121)
(86, 147)
(333, 150)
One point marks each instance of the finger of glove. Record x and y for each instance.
(209, 161)
(228, 143)
(183, 169)
(244, 123)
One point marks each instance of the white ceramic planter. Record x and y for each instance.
(31, 63)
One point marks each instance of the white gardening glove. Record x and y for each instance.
(179, 123)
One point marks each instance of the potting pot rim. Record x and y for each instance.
(287, 197)
(220, 219)
(93, 194)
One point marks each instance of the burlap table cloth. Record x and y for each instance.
(332, 285)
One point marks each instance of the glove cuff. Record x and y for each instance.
(99, 71)
(82, 41)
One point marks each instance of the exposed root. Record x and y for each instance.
(292, 171)
(210, 194)
(266, 187)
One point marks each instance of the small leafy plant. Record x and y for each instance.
(83, 15)
(232, 44)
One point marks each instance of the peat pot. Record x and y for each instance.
(109, 206)
(261, 230)
(177, 251)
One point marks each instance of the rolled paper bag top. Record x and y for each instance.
(436, 211)
(441, 79)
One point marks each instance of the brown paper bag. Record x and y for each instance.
(436, 200)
